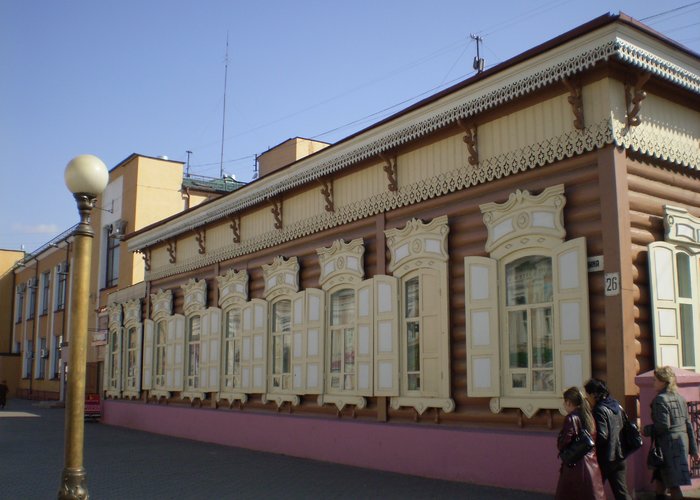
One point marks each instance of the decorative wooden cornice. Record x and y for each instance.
(576, 100)
(161, 304)
(172, 250)
(281, 277)
(277, 211)
(470, 140)
(235, 227)
(391, 173)
(233, 286)
(327, 192)
(200, 235)
(146, 254)
(115, 315)
(132, 312)
(634, 95)
(341, 263)
(195, 296)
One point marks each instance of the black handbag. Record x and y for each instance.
(579, 446)
(630, 437)
(655, 458)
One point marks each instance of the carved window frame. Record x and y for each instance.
(194, 308)
(113, 357)
(233, 297)
(131, 375)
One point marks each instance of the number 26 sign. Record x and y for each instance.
(612, 284)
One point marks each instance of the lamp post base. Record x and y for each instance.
(73, 484)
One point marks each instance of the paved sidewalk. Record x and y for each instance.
(126, 464)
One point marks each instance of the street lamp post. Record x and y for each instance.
(86, 176)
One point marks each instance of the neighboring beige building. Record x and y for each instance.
(9, 361)
(141, 191)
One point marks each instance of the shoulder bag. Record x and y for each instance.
(578, 448)
(630, 437)
(655, 458)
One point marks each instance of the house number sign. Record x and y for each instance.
(612, 284)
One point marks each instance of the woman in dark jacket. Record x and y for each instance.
(608, 416)
(673, 433)
(582, 480)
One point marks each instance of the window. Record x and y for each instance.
(114, 353)
(232, 349)
(194, 330)
(20, 303)
(56, 355)
(31, 306)
(28, 357)
(45, 285)
(527, 320)
(41, 360)
(343, 375)
(62, 274)
(160, 351)
(419, 266)
(674, 275)
(131, 356)
(112, 262)
(281, 344)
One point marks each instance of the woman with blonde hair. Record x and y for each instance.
(673, 434)
(581, 480)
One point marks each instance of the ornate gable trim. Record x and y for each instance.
(281, 277)
(681, 227)
(161, 304)
(512, 224)
(132, 312)
(233, 286)
(341, 263)
(417, 242)
(195, 296)
(115, 315)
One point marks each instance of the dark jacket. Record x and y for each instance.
(674, 433)
(583, 481)
(609, 424)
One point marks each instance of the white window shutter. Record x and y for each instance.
(298, 354)
(175, 353)
(364, 352)
(386, 336)
(148, 337)
(139, 343)
(431, 335)
(314, 340)
(257, 334)
(214, 348)
(664, 304)
(570, 275)
(481, 324)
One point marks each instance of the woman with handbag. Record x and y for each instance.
(579, 479)
(609, 420)
(673, 435)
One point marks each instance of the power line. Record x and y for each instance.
(669, 11)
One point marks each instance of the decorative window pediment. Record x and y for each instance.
(682, 228)
(281, 277)
(341, 263)
(161, 304)
(233, 286)
(417, 244)
(115, 315)
(525, 220)
(132, 312)
(195, 296)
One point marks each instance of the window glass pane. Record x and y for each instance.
(349, 351)
(336, 351)
(529, 280)
(686, 315)
(413, 347)
(281, 316)
(543, 380)
(683, 269)
(412, 298)
(343, 307)
(277, 354)
(233, 322)
(518, 339)
(542, 356)
(519, 381)
(193, 360)
(195, 325)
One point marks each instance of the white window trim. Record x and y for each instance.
(113, 382)
(233, 294)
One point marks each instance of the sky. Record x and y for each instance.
(152, 77)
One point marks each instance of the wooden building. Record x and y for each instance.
(417, 296)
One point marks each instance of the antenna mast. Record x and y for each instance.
(223, 121)
(478, 61)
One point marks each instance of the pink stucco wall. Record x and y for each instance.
(511, 459)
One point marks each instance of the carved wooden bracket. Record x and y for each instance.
(172, 250)
(200, 236)
(277, 212)
(576, 100)
(235, 227)
(390, 169)
(147, 259)
(470, 140)
(634, 95)
(327, 192)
